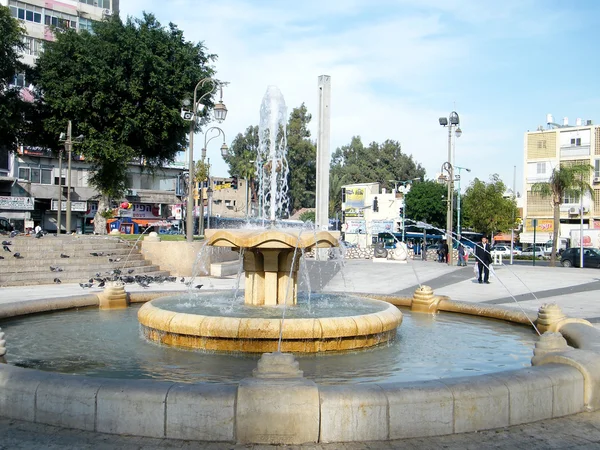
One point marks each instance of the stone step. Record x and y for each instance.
(81, 276)
(43, 265)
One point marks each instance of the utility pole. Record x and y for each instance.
(69, 148)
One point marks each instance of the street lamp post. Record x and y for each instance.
(69, 148)
(59, 206)
(220, 112)
(452, 122)
(224, 153)
(458, 229)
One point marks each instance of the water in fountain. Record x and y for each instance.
(271, 162)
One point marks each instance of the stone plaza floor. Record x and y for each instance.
(576, 291)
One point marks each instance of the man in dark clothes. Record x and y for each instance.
(484, 259)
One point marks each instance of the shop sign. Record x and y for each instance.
(18, 203)
(355, 227)
(141, 211)
(382, 226)
(354, 212)
(541, 225)
(75, 206)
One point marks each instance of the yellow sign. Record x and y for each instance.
(355, 197)
(543, 225)
(222, 186)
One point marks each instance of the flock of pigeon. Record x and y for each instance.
(6, 246)
(112, 275)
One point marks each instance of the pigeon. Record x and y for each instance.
(101, 284)
(1, 257)
(143, 283)
(6, 243)
(6, 248)
(62, 255)
(198, 286)
(182, 280)
(130, 271)
(18, 255)
(85, 285)
(55, 269)
(91, 281)
(57, 281)
(97, 253)
(13, 233)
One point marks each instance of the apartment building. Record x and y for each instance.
(544, 150)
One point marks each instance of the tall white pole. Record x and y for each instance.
(580, 230)
(512, 228)
(323, 154)
(450, 206)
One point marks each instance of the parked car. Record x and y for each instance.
(347, 244)
(539, 251)
(571, 257)
(504, 250)
(500, 250)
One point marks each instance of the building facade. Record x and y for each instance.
(545, 150)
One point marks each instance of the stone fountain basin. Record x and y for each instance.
(261, 334)
(562, 384)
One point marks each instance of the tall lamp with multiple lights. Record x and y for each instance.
(220, 113)
(224, 153)
(68, 141)
(453, 123)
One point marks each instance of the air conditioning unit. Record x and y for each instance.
(106, 13)
(596, 179)
(573, 210)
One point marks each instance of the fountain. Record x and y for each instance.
(270, 261)
(104, 378)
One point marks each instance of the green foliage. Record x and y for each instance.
(12, 107)
(375, 163)
(308, 216)
(566, 179)
(426, 201)
(301, 156)
(335, 193)
(122, 87)
(485, 209)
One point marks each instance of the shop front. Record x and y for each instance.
(18, 211)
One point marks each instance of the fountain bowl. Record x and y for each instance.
(262, 334)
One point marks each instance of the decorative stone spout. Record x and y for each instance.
(113, 296)
(549, 343)
(424, 301)
(277, 405)
(551, 318)
(2, 347)
(271, 260)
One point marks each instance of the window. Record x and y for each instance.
(63, 181)
(85, 24)
(596, 168)
(33, 46)
(25, 11)
(541, 168)
(99, 3)
(19, 80)
(46, 176)
(541, 144)
(571, 198)
(34, 175)
(60, 20)
(576, 141)
(24, 173)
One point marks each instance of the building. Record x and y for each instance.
(368, 212)
(544, 150)
(230, 197)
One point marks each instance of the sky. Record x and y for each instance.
(396, 66)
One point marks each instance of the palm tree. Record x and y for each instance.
(565, 180)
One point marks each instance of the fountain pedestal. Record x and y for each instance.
(271, 260)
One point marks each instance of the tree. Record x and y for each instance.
(426, 201)
(241, 156)
(12, 107)
(301, 157)
(375, 163)
(485, 208)
(566, 179)
(122, 86)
